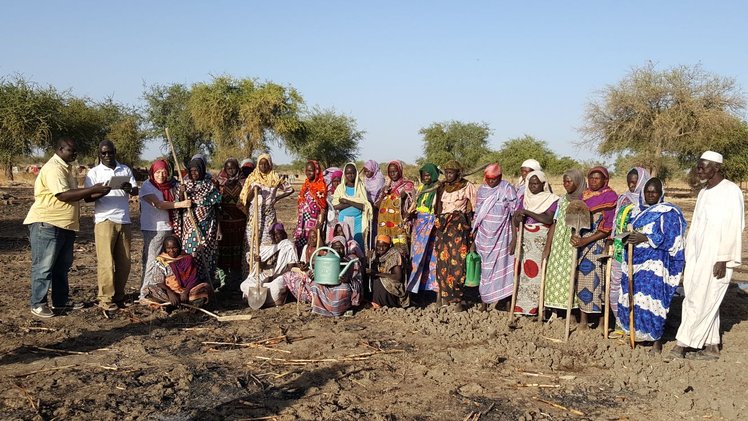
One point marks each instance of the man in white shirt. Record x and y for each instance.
(713, 250)
(112, 230)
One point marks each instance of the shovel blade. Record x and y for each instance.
(257, 297)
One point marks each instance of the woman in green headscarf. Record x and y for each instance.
(423, 260)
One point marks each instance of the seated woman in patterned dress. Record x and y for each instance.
(328, 300)
(176, 279)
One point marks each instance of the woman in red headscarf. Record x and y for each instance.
(157, 201)
(312, 204)
(393, 202)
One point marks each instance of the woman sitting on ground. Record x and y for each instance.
(328, 300)
(176, 278)
(388, 282)
(273, 261)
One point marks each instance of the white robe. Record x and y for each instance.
(714, 236)
(272, 278)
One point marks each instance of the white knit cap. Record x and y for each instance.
(712, 156)
(535, 165)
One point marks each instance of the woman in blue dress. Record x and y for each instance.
(352, 204)
(658, 237)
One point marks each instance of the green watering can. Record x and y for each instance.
(327, 268)
(472, 269)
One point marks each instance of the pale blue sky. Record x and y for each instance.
(395, 66)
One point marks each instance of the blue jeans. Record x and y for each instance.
(51, 258)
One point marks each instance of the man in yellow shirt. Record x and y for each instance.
(53, 222)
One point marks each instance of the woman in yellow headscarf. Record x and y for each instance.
(271, 188)
(354, 207)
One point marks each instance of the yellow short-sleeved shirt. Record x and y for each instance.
(56, 176)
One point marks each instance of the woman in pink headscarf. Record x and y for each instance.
(373, 180)
(494, 237)
(333, 177)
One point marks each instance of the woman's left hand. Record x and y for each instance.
(578, 241)
(636, 238)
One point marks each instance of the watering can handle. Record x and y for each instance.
(311, 258)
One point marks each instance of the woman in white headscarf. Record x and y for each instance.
(536, 210)
(527, 167)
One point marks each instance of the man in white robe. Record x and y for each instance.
(271, 275)
(713, 248)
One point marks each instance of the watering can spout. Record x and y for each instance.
(342, 272)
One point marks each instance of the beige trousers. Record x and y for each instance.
(113, 258)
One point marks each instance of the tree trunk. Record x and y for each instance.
(7, 163)
(657, 159)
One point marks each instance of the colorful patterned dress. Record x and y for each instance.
(452, 242)
(205, 201)
(658, 266)
(560, 261)
(534, 238)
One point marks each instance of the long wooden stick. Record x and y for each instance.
(632, 328)
(517, 269)
(541, 298)
(606, 315)
(190, 213)
(570, 300)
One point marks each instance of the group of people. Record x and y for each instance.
(400, 243)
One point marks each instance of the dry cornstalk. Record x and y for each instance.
(550, 376)
(542, 386)
(61, 351)
(44, 370)
(46, 329)
(303, 361)
(559, 406)
(246, 345)
(27, 395)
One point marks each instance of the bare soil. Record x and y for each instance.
(414, 364)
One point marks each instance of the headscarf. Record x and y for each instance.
(402, 183)
(359, 196)
(425, 201)
(603, 200)
(538, 203)
(629, 197)
(269, 180)
(184, 271)
(374, 183)
(329, 175)
(316, 188)
(246, 167)
(223, 176)
(460, 182)
(340, 239)
(166, 188)
(643, 203)
(578, 178)
(199, 163)
(206, 175)
(534, 165)
(384, 238)
(277, 227)
(491, 171)
(352, 244)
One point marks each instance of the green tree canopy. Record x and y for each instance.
(245, 114)
(680, 112)
(514, 151)
(328, 137)
(29, 115)
(168, 106)
(465, 142)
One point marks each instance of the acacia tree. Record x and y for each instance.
(464, 142)
(28, 116)
(328, 137)
(678, 112)
(245, 114)
(168, 106)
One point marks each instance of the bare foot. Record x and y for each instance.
(483, 306)
(583, 321)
